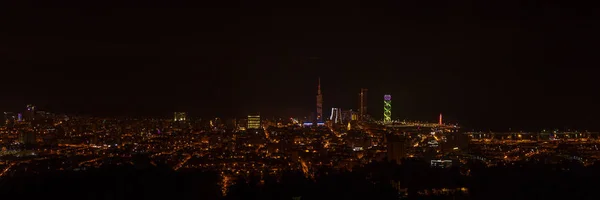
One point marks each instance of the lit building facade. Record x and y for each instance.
(336, 115)
(349, 115)
(319, 103)
(387, 108)
(362, 104)
(253, 122)
(180, 116)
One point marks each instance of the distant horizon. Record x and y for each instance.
(194, 116)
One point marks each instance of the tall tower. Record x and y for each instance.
(30, 113)
(387, 108)
(440, 122)
(362, 108)
(319, 103)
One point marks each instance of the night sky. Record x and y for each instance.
(485, 64)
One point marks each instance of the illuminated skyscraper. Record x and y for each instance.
(387, 108)
(336, 115)
(319, 103)
(440, 122)
(180, 116)
(362, 109)
(253, 122)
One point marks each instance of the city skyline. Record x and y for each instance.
(341, 99)
(30, 109)
(319, 106)
(466, 63)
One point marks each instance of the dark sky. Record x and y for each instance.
(485, 64)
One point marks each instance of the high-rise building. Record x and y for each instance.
(254, 122)
(180, 116)
(387, 108)
(336, 115)
(349, 115)
(29, 114)
(362, 108)
(440, 121)
(319, 103)
(396, 148)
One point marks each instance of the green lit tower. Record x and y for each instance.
(387, 108)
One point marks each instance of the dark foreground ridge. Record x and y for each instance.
(568, 180)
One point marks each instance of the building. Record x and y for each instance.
(253, 122)
(441, 163)
(387, 108)
(29, 114)
(336, 115)
(319, 103)
(396, 148)
(362, 105)
(180, 116)
(349, 115)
